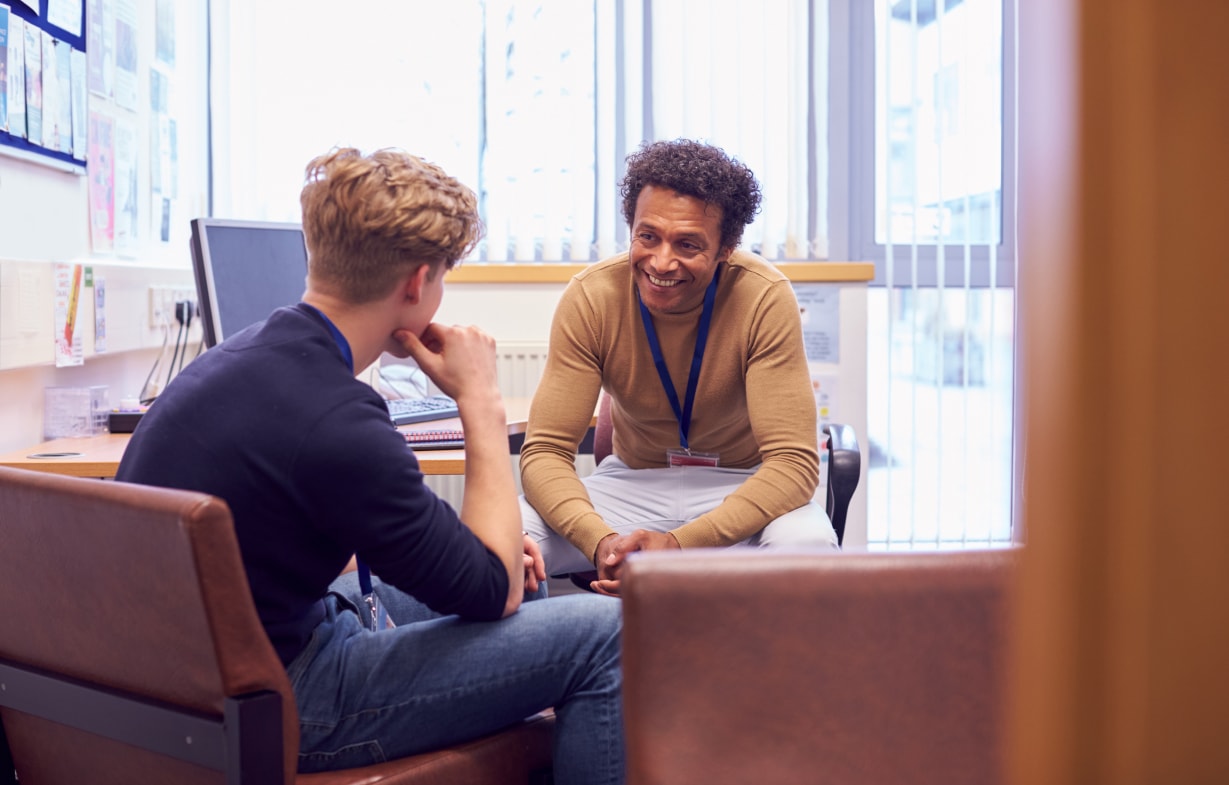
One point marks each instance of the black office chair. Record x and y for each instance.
(844, 470)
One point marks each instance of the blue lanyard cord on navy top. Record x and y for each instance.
(338, 338)
(364, 572)
(683, 415)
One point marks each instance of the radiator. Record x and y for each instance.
(519, 366)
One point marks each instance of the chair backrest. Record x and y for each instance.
(141, 592)
(844, 472)
(847, 668)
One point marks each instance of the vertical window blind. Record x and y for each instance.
(533, 104)
(941, 327)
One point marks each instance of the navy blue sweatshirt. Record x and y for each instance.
(273, 422)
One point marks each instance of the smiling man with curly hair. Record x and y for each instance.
(699, 346)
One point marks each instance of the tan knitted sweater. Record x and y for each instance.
(753, 406)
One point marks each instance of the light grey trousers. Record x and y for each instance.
(663, 499)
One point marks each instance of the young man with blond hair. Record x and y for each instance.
(273, 421)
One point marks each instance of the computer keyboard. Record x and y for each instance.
(405, 411)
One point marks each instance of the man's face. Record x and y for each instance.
(675, 249)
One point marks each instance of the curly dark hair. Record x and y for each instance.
(694, 169)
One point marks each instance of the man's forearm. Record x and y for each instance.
(490, 507)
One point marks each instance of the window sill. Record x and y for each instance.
(550, 272)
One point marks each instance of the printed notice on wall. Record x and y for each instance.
(100, 315)
(66, 15)
(126, 54)
(100, 168)
(68, 285)
(820, 306)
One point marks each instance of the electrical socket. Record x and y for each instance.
(162, 299)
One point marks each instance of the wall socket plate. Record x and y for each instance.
(162, 299)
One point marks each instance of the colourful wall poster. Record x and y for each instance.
(64, 98)
(126, 54)
(51, 94)
(127, 228)
(4, 68)
(68, 343)
(100, 18)
(100, 168)
(17, 76)
(79, 102)
(34, 84)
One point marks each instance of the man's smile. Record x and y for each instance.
(662, 281)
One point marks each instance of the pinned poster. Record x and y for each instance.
(16, 91)
(126, 54)
(34, 84)
(820, 307)
(100, 315)
(101, 53)
(66, 15)
(101, 170)
(4, 68)
(127, 227)
(68, 280)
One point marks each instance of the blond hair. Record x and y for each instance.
(368, 220)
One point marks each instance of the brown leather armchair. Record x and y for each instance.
(130, 652)
(844, 668)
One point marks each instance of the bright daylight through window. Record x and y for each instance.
(941, 326)
(536, 104)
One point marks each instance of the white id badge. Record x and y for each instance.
(677, 457)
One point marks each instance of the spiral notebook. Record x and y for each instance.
(435, 439)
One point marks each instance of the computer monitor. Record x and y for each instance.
(244, 271)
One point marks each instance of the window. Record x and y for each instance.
(533, 104)
(880, 130)
(932, 181)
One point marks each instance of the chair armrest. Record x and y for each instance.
(844, 471)
(785, 667)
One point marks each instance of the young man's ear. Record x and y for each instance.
(415, 283)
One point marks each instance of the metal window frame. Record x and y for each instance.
(852, 188)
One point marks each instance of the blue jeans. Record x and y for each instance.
(433, 681)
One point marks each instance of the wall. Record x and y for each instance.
(45, 218)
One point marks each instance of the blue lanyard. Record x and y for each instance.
(364, 572)
(338, 338)
(683, 415)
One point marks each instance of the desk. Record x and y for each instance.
(99, 456)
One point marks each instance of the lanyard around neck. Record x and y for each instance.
(338, 338)
(682, 414)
